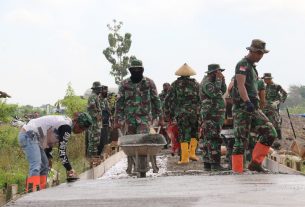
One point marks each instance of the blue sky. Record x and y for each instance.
(45, 44)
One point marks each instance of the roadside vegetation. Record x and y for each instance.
(13, 163)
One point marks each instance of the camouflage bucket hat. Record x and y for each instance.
(96, 85)
(267, 76)
(84, 120)
(214, 67)
(258, 45)
(185, 70)
(136, 64)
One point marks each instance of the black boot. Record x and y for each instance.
(207, 166)
(279, 134)
(253, 166)
(217, 167)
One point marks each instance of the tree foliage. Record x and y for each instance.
(296, 99)
(7, 111)
(116, 53)
(73, 103)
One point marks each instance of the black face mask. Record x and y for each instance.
(104, 94)
(136, 75)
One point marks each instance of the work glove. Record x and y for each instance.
(275, 104)
(249, 106)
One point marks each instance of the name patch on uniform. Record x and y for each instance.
(243, 68)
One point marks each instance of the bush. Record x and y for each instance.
(7, 111)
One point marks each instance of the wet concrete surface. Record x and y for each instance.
(188, 190)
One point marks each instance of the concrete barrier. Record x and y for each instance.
(99, 170)
(276, 167)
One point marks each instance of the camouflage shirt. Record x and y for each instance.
(211, 94)
(94, 107)
(137, 100)
(162, 97)
(275, 92)
(245, 67)
(261, 85)
(105, 110)
(183, 97)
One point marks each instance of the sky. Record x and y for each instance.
(45, 44)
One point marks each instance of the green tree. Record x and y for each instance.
(296, 96)
(116, 53)
(7, 111)
(72, 102)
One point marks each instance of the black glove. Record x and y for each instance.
(250, 106)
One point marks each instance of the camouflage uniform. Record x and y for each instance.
(274, 92)
(105, 113)
(94, 131)
(137, 105)
(212, 115)
(244, 121)
(162, 97)
(182, 104)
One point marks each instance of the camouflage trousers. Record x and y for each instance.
(257, 122)
(136, 125)
(275, 118)
(93, 137)
(187, 127)
(212, 139)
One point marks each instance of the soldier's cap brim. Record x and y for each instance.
(253, 49)
(267, 77)
(221, 69)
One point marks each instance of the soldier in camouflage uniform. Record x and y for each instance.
(105, 113)
(163, 94)
(262, 102)
(94, 131)
(275, 95)
(182, 103)
(212, 89)
(247, 115)
(137, 105)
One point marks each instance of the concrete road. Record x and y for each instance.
(179, 191)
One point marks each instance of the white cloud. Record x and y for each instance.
(26, 17)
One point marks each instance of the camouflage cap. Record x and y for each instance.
(185, 70)
(267, 76)
(258, 45)
(214, 67)
(96, 85)
(136, 64)
(84, 119)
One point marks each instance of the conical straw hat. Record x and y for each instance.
(185, 70)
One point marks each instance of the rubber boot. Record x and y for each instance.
(32, 184)
(238, 163)
(184, 153)
(259, 153)
(207, 166)
(193, 146)
(43, 182)
(217, 167)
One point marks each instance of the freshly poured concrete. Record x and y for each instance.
(185, 191)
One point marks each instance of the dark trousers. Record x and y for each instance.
(104, 140)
